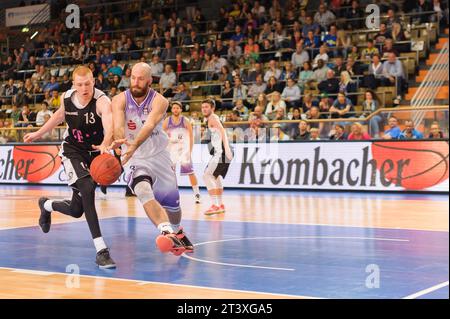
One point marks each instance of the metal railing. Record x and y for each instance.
(429, 88)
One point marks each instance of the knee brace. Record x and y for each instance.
(210, 181)
(144, 192)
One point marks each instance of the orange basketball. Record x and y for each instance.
(426, 164)
(105, 169)
(36, 162)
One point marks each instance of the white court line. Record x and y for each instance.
(426, 291)
(272, 238)
(141, 283)
(75, 220)
(33, 272)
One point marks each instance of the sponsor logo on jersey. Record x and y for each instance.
(131, 125)
(72, 113)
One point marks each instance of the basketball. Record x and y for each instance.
(426, 167)
(105, 169)
(36, 162)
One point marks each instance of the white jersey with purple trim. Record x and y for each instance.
(135, 117)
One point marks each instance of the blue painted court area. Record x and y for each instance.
(316, 261)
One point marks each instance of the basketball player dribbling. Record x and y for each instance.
(181, 142)
(138, 114)
(221, 157)
(87, 112)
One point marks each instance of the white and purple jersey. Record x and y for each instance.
(135, 117)
(178, 134)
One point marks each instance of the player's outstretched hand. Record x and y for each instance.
(117, 143)
(131, 148)
(31, 137)
(102, 148)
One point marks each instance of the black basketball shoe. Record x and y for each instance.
(104, 260)
(45, 220)
(185, 241)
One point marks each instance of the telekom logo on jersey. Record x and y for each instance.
(78, 135)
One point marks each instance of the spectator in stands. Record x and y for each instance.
(393, 71)
(241, 108)
(115, 69)
(66, 83)
(25, 93)
(52, 85)
(227, 95)
(357, 133)
(308, 102)
(280, 36)
(258, 114)
(312, 42)
(394, 132)
(320, 73)
(291, 94)
(49, 136)
(410, 133)
(389, 48)
(277, 133)
(375, 76)
(306, 76)
(238, 36)
(296, 39)
(254, 71)
(234, 51)
(353, 54)
(195, 64)
(114, 81)
(303, 134)
(43, 75)
(347, 85)
(314, 134)
(273, 86)
(169, 52)
(179, 65)
(352, 66)
(181, 95)
(101, 83)
(272, 71)
(275, 103)
(300, 56)
(112, 91)
(9, 90)
(27, 117)
(251, 50)
(331, 85)
(342, 107)
(44, 111)
(398, 34)
(257, 88)
(422, 6)
(367, 53)
(383, 34)
(330, 40)
(8, 67)
(339, 66)
(435, 131)
(15, 114)
(339, 133)
(55, 100)
(325, 104)
(289, 72)
(167, 81)
(354, 16)
(324, 17)
(266, 52)
(240, 90)
(310, 26)
(47, 53)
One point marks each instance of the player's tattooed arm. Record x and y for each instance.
(104, 111)
(57, 118)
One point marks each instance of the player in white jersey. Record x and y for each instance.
(221, 157)
(181, 142)
(137, 116)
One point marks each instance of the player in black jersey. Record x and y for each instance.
(87, 112)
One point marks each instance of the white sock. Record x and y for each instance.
(48, 205)
(220, 199)
(215, 200)
(99, 243)
(196, 190)
(165, 227)
(176, 227)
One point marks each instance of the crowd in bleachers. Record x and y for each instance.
(261, 60)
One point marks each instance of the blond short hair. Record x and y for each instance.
(82, 71)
